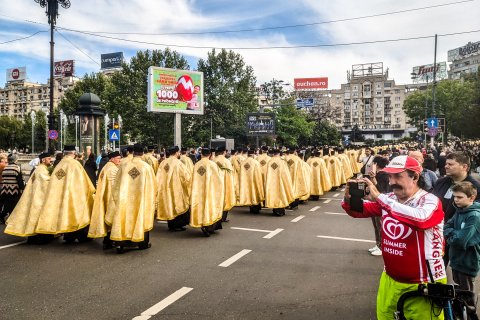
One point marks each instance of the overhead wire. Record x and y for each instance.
(76, 47)
(23, 38)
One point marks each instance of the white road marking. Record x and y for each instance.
(346, 239)
(336, 195)
(327, 201)
(270, 234)
(337, 213)
(165, 222)
(315, 208)
(273, 234)
(147, 314)
(247, 229)
(298, 218)
(343, 189)
(12, 245)
(236, 257)
(325, 198)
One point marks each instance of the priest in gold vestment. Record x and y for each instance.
(227, 173)
(278, 185)
(131, 209)
(24, 218)
(252, 191)
(105, 182)
(173, 197)
(207, 195)
(186, 160)
(320, 178)
(150, 158)
(297, 174)
(69, 200)
(263, 159)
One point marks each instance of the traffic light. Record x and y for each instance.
(116, 126)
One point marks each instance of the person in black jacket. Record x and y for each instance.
(442, 160)
(91, 168)
(457, 169)
(12, 187)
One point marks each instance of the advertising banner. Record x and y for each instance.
(465, 51)
(260, 124)
(16, 74)
(111, 60)
(310, 83)
(64, 68)
(175, 91)
(305, 103)
(424, 73)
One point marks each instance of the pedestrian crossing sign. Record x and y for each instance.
(113, 135)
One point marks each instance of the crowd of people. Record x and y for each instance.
(418, 199)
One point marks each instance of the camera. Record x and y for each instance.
(440, 290)
(357, 192)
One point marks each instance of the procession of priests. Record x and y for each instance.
(136, 188)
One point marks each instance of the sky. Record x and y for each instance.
(320, 27)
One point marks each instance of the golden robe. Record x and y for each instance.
(69, 199)
(251, 183)
(151, 160)
(23, 220)
(307, 172)
(352, 156)
(334, 167)
(299, 179)
(174, 182)
(126, 159)
(236, 163)
(346, 165)
(187, 162)
(207, 194)
(320, 182)
(278, 184)
(105, 182)
(263, 160)
(131, 210)
(227, 171)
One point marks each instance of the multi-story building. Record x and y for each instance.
(19, 97)
(464, 60)
(372, 102)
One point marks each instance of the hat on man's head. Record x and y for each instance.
(114, 154)
(69, 148)
(137, 147)
(44, 155)
(173, 150)
(221, 149)
(151, 148)
(402, 163)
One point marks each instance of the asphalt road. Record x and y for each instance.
(287, 274)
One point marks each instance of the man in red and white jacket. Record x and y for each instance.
(412, 238)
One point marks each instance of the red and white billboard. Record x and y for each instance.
(310, 83)
(16, 74)
(64, 68)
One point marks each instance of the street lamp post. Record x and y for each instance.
(52, 14)
(414, 77)
(32, 115)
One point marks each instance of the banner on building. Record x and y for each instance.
(64, 68)
(424, 74)
(310, 83)
(175, 91)
(16, 74)
(111, 60)
(260, 124)
(469, 49)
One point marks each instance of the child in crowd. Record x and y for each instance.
(462, 233)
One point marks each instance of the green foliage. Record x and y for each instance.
(325, 133)
(15, 133)
(455, 101)
(356, 134)
(229, 94)
(293, 126)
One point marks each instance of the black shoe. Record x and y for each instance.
(178, 229)
(205, 231)
(107, 246)
(144, 246)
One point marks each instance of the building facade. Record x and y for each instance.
(464, 60)
(372, 102)
(19, 97)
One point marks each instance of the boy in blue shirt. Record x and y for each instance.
(462, 233)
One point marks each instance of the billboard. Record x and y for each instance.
(64, 68)
(175, 91)
(16, 74)
(111, 60)
(305, 103)
(424, 73)
(260, 124)
(463, 52)
(310, 83)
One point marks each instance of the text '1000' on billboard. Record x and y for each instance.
(175, 91)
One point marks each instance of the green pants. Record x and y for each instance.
(415, 308)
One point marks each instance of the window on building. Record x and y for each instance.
(397, 105)
(379, 136)
(397, 91)
(387, 84)
(355, 88)
(397, 98)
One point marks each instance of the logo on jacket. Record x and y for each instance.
(395, 230)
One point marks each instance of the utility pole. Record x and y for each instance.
(52, 14)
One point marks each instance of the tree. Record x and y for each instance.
(356, 134)
(229, 95)
(128, 97)
(10, 131)
(293, 126)
(325, 133)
